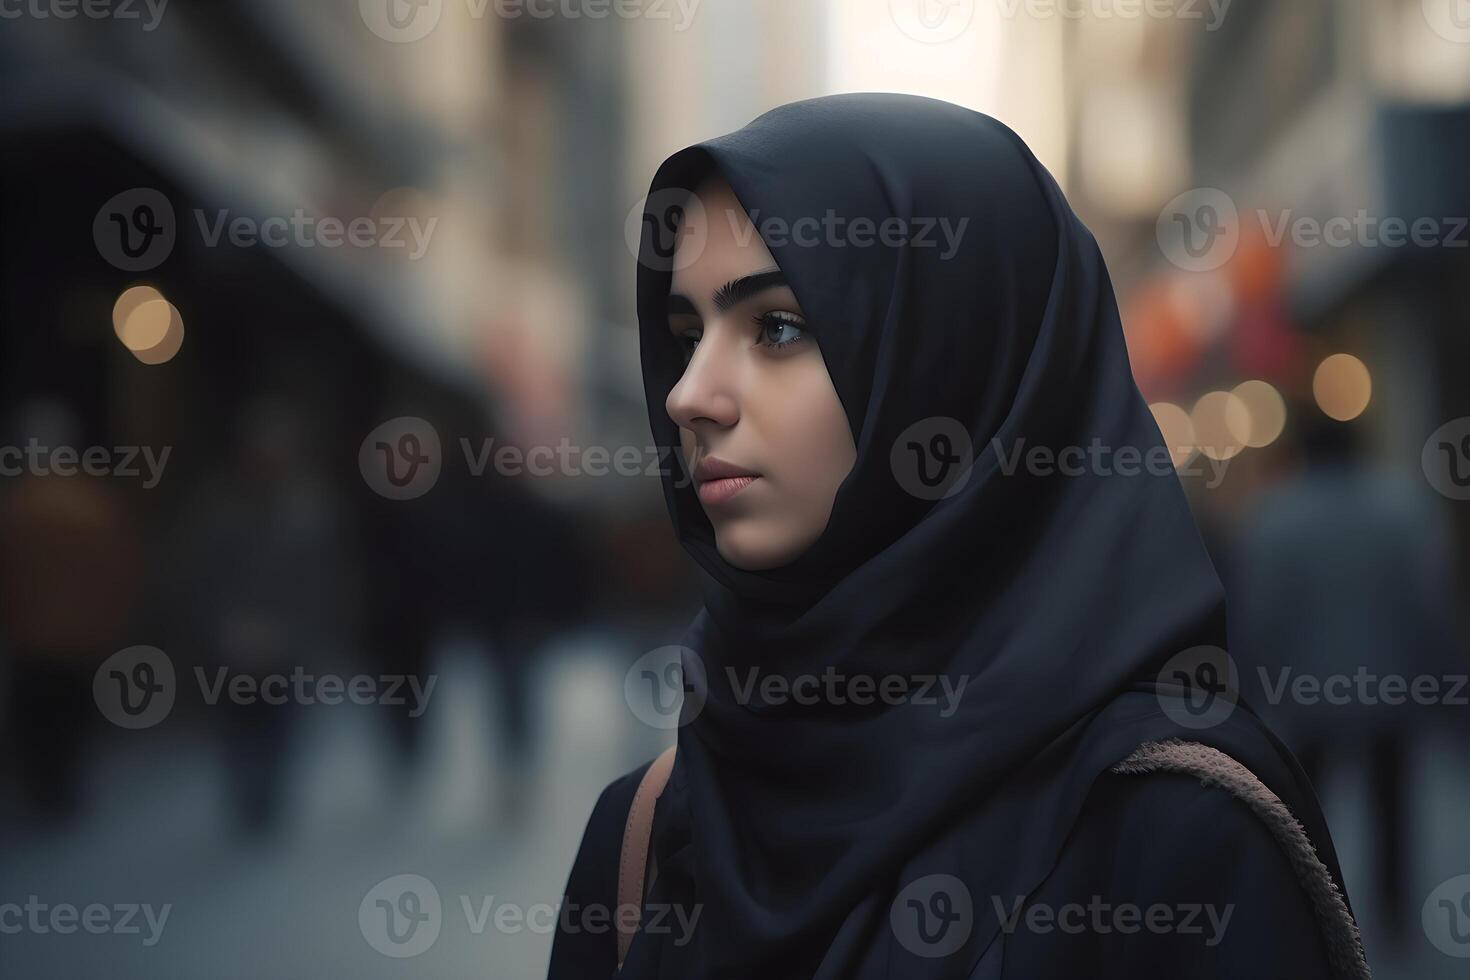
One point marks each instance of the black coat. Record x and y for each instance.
(1221, 890)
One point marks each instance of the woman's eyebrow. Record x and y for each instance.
(745, 287)
(730, 293)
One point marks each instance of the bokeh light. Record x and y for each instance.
(1266, 413)
(1217, 417)
(1342, 387)
(148, 325)
(137, 333)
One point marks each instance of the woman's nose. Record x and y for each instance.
(706, 393)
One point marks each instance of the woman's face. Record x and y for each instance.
(759, 421)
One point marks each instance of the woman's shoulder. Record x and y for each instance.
(1190, 811)
(1183, 852)
(1190, 797)
(1157, 817)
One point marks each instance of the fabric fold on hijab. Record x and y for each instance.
(972, 344)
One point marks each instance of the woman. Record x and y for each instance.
(955, 610)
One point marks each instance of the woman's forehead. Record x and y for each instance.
(726, 247)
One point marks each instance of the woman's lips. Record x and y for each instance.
(718, 491)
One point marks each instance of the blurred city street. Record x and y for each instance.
(291, 908)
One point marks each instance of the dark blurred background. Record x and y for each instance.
(278, 281)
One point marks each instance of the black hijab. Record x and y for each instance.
(1058, 598)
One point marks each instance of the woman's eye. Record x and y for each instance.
(687, 343)
(781, 329)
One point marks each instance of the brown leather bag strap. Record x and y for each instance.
(633, 862)
(1214, 768)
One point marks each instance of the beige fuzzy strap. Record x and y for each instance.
(633, 862)
(1214, 768)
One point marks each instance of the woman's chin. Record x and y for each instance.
(747, 545)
